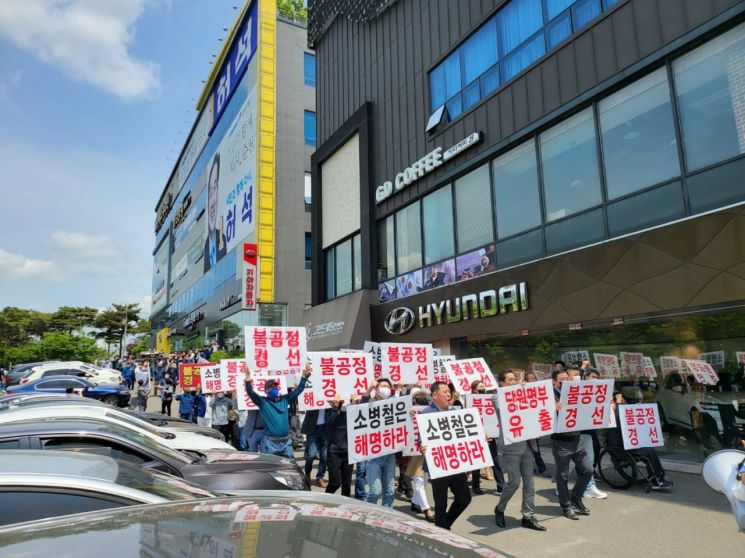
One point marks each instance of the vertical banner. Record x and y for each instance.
(640, 426)
(527, 411)
(189, 375)
(212, 380)
(279, 350)
(407, 363)
(607, 365)
(632, 364)
(378, 428)
(585, 405)
(464, 372)
(649, 370)
(482, 402)
(702, 371)
(455, 442)
(671, 364)
(249, 286)
(373, 349)
(161, 341)
(342, 374)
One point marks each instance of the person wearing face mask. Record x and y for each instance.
(381, 470)
(274, 412)
(477, 386)
(221, 407)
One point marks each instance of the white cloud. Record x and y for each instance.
(16, 266)
(83, 246)
(87, 39)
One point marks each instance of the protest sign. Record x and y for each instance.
(464, 372)
(308, 401)
(233, 374)
(336, 373)
(640, 425)
(278, 350)
(715, 358)
(527, 411)
(441, 371)
(212, 381)
(412, 444)
(374, 349)
(455, 442)
(378, 428)
(407, 363)
(702, 371)
(649, 370)
(671, 364)
(189, 375)
(632, 364)
(575, 357)
(482, 402)
(585, 405)
(541, 370)
(607, 365)
(259, 386)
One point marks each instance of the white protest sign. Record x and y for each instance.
(527, 411)
(212, 380)
(632, 364)
(464, 372)
(585, 405)
(541, 370)
(259, 386)
(234, 372)
(336, 373)
(715, 358)
(702, 371)
(307, 400)
(407, 363)
(575, 357)
(279, 350)
(378, 428)
(455, 442)
(649, 370)
(607, 365)
(482, 402)
(374, 349)
(412, 444)
(640, 426)
(670, 364)
(441, 371)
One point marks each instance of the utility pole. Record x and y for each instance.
(124, 337)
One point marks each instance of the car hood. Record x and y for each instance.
(185, 440)
(223, 461)
(268, 523)
(176, 428)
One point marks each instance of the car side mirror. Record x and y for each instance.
(677, 389)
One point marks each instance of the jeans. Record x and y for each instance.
(185, 416)
(566, 452)
(517, 467)
(380, 475)
(458, 484)
(253, 442)
(360, 481)
(277, 446)
(340, 474)
(316, 445)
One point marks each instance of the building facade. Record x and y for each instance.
(233, 223)
(536, 180)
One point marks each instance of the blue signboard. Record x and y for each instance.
(235, 64)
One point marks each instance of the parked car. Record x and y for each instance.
(95, 374)
(42, 484)
(220, 471)
(175, 439)
(19, 371)
(270, 524)
(113, 395)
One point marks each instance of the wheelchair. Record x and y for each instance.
(620, 468)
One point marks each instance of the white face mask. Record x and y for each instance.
(384, 392)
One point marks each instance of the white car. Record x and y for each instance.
(103, 376)
(181, 440)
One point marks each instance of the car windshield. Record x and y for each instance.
(166, 486)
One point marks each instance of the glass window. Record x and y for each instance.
(711, 105)
(309, 69)
(330, 274)
(490, 81)
(308, 190)
(585, 11)
(523, 248)
(555, 7)
(437, 210)
(570, 166)
(308, 251)
(523, 57)
(473, 210)
(717, 186)
(452, 74)
(577, 231)
(344, 268)
(437, 88)
(660, 205)
(516, 194)
(386, 252)
(408, 238)
(471, 95)
(29, 505)
(559, 30)
(639, 146)
(480, 51)
(310, 128)
(517, 21)
(608, 4)
(455, 107)
(357, 263)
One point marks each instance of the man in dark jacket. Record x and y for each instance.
(340, 470)
(316, 445)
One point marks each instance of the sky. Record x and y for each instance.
(96, 100)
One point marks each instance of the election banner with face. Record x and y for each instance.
(407, 363)
(455, 442)
(464, 372)
(279, 350)
(342, 374)
(378, 428)
(482, 402)
(527, 411)
(640, 426)
(585, 405)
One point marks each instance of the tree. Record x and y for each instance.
(13, 332)
(116, 322)
(71, 318)
(293, 9)
(63, 346)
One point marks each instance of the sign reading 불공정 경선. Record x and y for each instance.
(585, 405)
(640, 426)
(278, 350)
(407, 363)
(341, 374)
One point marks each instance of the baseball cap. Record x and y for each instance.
(270, 384)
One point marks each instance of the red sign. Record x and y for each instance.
(250, 275)
(190, 375)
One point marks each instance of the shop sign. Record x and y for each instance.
(432, 160)
(228, 301)
(163, 211)
(250, 275)
(323, 330)
(193, 318)
(181, 213)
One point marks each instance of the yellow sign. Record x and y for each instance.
(161, 341)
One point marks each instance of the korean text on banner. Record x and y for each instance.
(607, 365)
(233, 373)
(307, 400)
(632, 364)
(378, 428)
(640, 425)
(342, 374)
(585, 405)
(575, 357)
(482, 402)
(407, 363)
(528, 411)
(702, 371)
(455, 442)
(464, 372)
(212, 381)
(441, 371)
(715, 358)
(280, 350)
(373, 348)
(670, 363)
(649, 370)
(259, 386)
(250, 275)
(541, 370)
(412, 445)
(189, 375)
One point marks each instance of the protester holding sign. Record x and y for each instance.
(517, 463)
(274, 414)
(316, 444)
(479, 399)
(535, 445)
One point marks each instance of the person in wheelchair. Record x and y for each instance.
(657, 477)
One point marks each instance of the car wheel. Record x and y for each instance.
(111, 400)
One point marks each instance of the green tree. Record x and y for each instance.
(293, 9)
(116, 322)
(13, 329)
(68, 319)
(29, 352)
(63, 346)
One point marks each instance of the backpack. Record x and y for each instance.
(167, 395)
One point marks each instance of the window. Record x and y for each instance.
(330, 274)
(571, 179)
(308, 189)
(711, 104)
(523, 57)
(344, 268)
(577, 231)
(584, 11)
(437, 210)
(445, 81)
(96, 447)
(479, 52)
(661, 205)
(386, 251)
(10, 444)
(356, 262)
(517, 21)
(516, 194)
(473, 210)
(32, 505)
(310, 128)
(408, 239)
(639, 146)
(308, 251)
(309, 69)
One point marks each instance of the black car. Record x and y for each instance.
(221, 471)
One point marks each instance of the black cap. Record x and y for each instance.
(270, 384)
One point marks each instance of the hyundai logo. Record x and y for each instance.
(399, 321)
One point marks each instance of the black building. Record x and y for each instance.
(583, 156)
